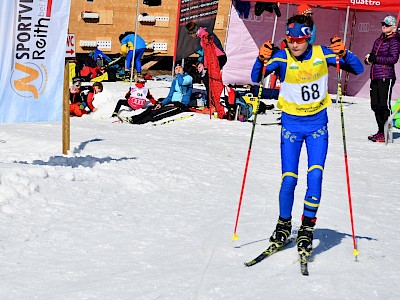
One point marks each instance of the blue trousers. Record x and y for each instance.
(316, 140)
(138, 59)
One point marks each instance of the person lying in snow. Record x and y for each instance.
(81, 98)
(89, 73)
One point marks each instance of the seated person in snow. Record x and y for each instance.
(81, 98)
(176, 101)
(135, 98)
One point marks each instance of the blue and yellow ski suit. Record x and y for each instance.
(303, 100)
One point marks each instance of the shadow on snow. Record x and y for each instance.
(87, 161)
(82, 146)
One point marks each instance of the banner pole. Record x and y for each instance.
(178, 16)
(227, 25)
(275, 23)
(65, 114)
(134, 42)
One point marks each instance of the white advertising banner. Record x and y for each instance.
(32, 56)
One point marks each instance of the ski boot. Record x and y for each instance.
(305, 236)
(282, 232)
(127, 76)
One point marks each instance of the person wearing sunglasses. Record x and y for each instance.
(382, 58)
(76, 97)
(81, 98)
(303, 99)
(305, 10)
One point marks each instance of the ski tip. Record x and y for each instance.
(235, 237)
(250, 263)
(304, 272)
(304, 264)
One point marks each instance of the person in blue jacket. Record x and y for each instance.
(181, 88)
(176, 101)
(127, 45)
(303, 99)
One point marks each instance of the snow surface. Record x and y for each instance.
(148, 212)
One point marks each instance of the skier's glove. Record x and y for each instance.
(265, 51)
(337, 46)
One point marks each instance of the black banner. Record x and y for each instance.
(203, 13)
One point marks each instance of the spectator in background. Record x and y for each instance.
(202, 71)
(305, 10)
(382, 58)
(81, 98)
(196, 31)
(76, 98)
(89, 73)
(95, 89)
(181, 88)
(127, 44)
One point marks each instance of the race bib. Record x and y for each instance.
(136, 103)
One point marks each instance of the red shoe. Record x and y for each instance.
(373, 136)
(148, 77)
(379, 138)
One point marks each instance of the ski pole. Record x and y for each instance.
(339, 92)
(235, 236)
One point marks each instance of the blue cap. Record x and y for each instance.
(296, 30)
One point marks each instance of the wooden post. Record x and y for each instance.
(65, 115)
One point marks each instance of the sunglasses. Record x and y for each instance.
(300, 40)
(386, 25)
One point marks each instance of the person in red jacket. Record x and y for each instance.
(89, 73)
(76, 98)
(96, 88)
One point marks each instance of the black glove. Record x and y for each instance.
(179, 104)
(372, 58)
